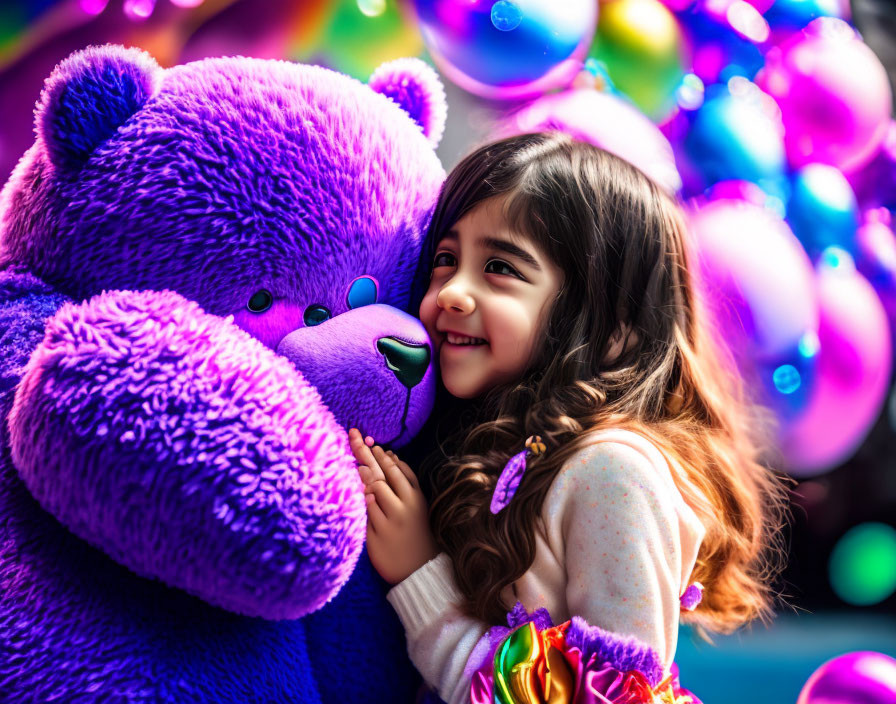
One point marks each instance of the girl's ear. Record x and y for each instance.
(88, 97)
(417, 90)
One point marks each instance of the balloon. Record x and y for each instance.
(854, 364)
(735, 135)
(508, 49)
(757, 277)
(833, 92)
(876, 258)
(363, 34)
(822, 209)
(606, 121)
(863, 677)
(678, 5)
(718, 51)
(758, 283)
(875, 184)
(641, 44)
(796, 14)
(741, 17)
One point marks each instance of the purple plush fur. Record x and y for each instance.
(625, 653)
(226, 180)
(192, 439)
(278, 516)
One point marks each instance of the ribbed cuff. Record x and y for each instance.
(425, 595)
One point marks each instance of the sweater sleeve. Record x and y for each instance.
(619, 516)
(440, 636)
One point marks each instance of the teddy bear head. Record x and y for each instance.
(286, 195)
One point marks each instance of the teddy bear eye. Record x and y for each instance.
(315, 315)
(362, 292)
(260, 301)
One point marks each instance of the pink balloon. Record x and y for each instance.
(863, 677)
(605, 121)
(834, 95)
(757, 278)
(853, 373)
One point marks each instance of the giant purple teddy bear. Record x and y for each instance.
(203, 273)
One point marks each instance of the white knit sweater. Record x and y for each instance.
(619, 548)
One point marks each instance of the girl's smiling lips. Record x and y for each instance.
(461, 340)
(447, 332)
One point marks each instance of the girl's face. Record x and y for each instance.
(484, 309)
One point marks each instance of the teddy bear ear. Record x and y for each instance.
(88, 96)
(417, 90)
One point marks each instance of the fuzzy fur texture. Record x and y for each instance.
(624, 653)
(159, 420)
(278, 513)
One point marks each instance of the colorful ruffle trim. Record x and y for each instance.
(573, 663)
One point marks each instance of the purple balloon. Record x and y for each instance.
(863, 677)
(876, 258)
(606, 121)
(756, 277)
(834, 95)
(852, 376)
(875, 184)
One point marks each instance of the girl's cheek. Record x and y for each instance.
(428, 310)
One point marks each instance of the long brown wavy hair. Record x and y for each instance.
(626, 344)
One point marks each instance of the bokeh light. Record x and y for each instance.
(863, 564)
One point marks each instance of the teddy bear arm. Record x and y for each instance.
(190, 453)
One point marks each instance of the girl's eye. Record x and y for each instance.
(443, 259)
(500, 267)
(260, 301)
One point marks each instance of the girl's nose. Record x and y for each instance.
(455, 297)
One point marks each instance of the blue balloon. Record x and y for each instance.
(733, 137)
(796, 14)
(822, 211)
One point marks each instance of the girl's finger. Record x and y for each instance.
(396, 478)
(363, 455)
(385, 497)
(406, 469)
(376, 519)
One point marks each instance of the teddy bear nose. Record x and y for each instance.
(409, 362)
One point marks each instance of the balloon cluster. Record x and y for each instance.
(772, 119)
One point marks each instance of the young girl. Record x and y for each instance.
(562, 301)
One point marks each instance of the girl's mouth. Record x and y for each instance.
(463, 341)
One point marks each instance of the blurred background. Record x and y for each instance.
(772, 121)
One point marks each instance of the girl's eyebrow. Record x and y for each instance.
(502, 246)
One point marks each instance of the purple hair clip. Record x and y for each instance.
(692, 596)
(513, 472)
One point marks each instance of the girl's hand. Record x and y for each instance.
(399, 541)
